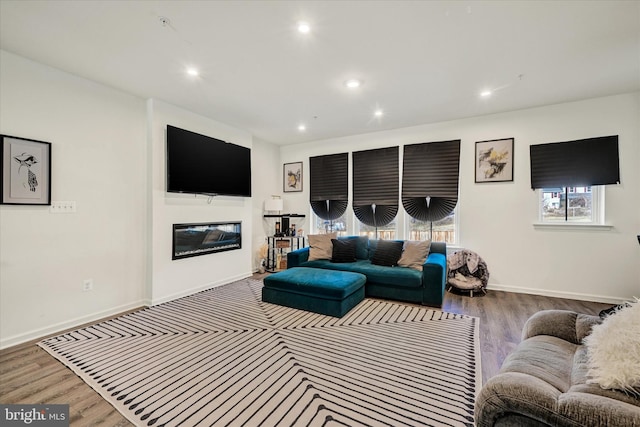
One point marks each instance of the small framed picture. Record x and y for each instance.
(292, 177)
(494, 160)
(25, 167)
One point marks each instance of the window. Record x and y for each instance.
(440, 231)
(584, 204)
(321, 226)
(386, 232)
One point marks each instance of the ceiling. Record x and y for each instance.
(419, 61)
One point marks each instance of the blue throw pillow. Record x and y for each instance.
(343, 250)
(387, 253)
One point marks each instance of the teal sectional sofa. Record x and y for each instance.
(397, 283)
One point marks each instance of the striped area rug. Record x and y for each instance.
(223, 357)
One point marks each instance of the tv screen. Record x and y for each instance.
(200, 164)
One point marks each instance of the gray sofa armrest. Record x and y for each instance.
(567, 325)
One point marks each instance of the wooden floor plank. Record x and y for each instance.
(29, 375)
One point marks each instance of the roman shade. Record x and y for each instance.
(375, 185)
(579, 163)
(329, 185)
(430, 179)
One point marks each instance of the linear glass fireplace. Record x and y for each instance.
(205, 238)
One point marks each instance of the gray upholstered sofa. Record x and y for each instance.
(544, 381)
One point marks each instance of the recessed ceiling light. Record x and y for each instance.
(304, 27)
(192, 71)
(302, 127)
(378, 113)
(485, 93)
(353, 83)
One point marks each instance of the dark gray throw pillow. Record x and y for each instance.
(387, 253)
(343, 250)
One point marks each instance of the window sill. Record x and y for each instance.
(572, 226)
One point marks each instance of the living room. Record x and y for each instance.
(108, 150)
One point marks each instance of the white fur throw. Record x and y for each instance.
(614, 351)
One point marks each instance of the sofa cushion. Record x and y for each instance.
(343, 250)
(362, 245)
(327, 284)
(320, 246)
(387, 253)
(414, 254)
(401, 277)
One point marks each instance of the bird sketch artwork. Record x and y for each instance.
(25, 170)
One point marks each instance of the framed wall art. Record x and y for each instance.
(292, 177)
(25, 167)
(494, 160)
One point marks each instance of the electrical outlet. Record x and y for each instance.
(87, 285)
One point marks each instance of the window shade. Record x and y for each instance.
(430, 179)
(375, 185)
(584, 162)
(329, 185)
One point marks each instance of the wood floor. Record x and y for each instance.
(29, 375)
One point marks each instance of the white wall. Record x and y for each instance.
(267, 181)
(108, 152)
(171, 279)
(496, 218)
(98, 161)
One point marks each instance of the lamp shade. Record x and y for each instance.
(273, 205)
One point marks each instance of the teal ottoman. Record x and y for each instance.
(322, 291)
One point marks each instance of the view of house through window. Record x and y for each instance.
(440, 231)
(443, 230)
(581, 206)
(386, 232)
(325, 226)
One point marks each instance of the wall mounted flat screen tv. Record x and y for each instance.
(200, 164)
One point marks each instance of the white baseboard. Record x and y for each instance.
(197, 289)
(557, 294)
(72, 323)
(68, 324)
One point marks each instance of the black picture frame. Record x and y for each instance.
(25, 168)
(494, 160)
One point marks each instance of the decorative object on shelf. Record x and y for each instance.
(282, 225)
(292, 177)
(278, 247)
(26, 171)
(494, 160)
(274, 204)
